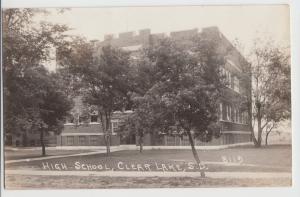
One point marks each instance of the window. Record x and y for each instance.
(228, 113)
(237, 115)
(226, 75)
(241, 117)
(231, 114)
(82, 140)
(114, 125)
(70, 140)
(224, 112)
(81, 119)
(220, 111)
(222, 72)
(234, 115)
(244, 118)
(94, 118)
(231, 81)
(70, 119)
(227, 78)
(76, 118)
(236, 84)
(93, 140)
(231, 78)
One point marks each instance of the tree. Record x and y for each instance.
(105, 80)
(132, 126)
(184, 90)
(25, 45)
(47, 103)
(141, 122)
(43, 105)
(271, 88)
(25, 48)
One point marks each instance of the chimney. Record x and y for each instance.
(144, 32)
(108, 37)
(126, 35)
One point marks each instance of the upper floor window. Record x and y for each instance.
(231, 113)
(114, 125)
(70, 119)
(226, 75)
(228, 112)
(94, 118)
(81, 120)
(230, 80)
(220, 111)
(236, 84)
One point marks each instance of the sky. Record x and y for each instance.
(243, 22)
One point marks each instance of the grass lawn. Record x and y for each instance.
(274, 158)
(73, 182)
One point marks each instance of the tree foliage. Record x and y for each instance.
(271, 87)
(105, 79)
(33, 101)
(180, 91)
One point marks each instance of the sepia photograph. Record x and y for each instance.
(147, 97)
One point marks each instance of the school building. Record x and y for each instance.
(84, 127)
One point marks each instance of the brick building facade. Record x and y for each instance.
(86, 130)
(233, 117)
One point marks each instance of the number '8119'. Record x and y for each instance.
(232, 159)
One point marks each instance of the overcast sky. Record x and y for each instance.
(242, 22)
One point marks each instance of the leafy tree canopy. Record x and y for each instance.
(33, 100)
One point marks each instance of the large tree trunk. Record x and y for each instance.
(267, 134)
(253, 135)
(250, 119)
(195, 154)
(105, 128)
(266, 139)
(259, 129)
(25, 140)
(259, 133)
(108, 131)
(42, 143)
(141, 143)
(107, 142)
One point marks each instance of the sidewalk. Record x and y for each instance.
(129, 147)
(215, 175)
(57, 156)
